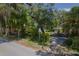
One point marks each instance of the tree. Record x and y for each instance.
(42, 16)
(71, 21)
(21, 17)
(13, 17)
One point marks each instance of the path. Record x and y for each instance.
(14, 49)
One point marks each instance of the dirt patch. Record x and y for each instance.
(27, 45)
(38, 47)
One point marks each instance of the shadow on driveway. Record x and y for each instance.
(3, 40)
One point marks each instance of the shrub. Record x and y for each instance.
(44, 38)
(68, 42)
(40, 38)
(73, 42)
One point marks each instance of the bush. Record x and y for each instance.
(44, 38)
(68, 42)
(73, 42)
(40, 38)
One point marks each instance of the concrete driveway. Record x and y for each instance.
(14, 49)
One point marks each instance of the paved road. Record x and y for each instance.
(14, 49)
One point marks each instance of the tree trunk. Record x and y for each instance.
(6, 27)
(43, 32)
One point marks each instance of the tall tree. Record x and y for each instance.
(71, 21)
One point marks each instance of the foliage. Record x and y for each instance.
(71, 25)
(24, 20)
(73, 42)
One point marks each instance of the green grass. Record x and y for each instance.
(31, 43)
